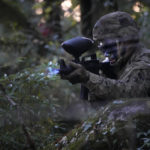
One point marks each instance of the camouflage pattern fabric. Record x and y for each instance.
(133, 80)
(116, 25)
(134, 76)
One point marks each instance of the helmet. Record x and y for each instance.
(112, 30)
(116, 25)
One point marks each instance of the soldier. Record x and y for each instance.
(130, 58)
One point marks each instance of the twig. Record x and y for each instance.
(11, 101)
(29, 139)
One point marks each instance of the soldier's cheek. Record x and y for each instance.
(113, 58)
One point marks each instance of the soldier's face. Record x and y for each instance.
(109, 48)
(112, 55)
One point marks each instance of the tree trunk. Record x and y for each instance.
(54, 18)
(91, 11)
(86, 17)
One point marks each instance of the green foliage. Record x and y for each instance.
(38, 5)
(13, 15)
(33, 102)
(119, 125)
(30, 97)
(75, 3)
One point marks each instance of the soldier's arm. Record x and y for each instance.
(136, 83)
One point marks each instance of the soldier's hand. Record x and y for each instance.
(79, 75)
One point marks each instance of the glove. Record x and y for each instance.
(79, 75)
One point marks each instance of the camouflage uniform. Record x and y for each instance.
(133, 75)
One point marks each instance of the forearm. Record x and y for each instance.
(100, 86)
(106, 88)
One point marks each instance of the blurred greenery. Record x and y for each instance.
(33, 103)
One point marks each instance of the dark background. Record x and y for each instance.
(35, 107)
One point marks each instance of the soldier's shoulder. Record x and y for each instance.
(142, 52)
(145, 54)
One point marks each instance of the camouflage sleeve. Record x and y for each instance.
(135, 84)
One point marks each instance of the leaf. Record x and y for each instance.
(74, 3)
(113, 130)
(64, 140)
(14, 14)
(118, 102)
(86, 126)
(140, 134)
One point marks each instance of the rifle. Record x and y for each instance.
(76, 47)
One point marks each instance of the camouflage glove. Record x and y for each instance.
(79, 75)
